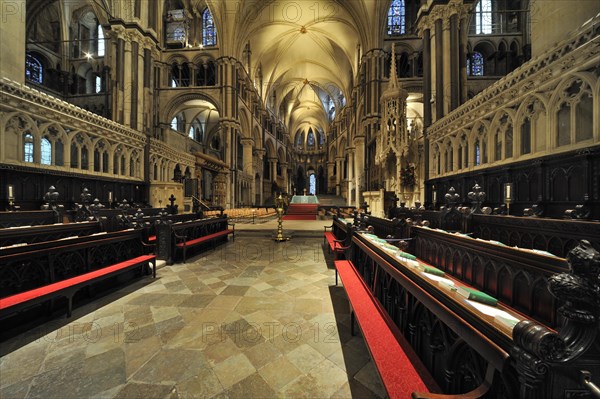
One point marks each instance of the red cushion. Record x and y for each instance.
(151, 238)
(205, 238)
(398, 374)
(55, 287)
(331, 240)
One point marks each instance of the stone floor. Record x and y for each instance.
(251, 319)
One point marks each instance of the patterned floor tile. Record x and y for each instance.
(252, 319)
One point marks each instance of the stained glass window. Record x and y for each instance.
(27, 147)
(209, 33)
(179, 34)
(98, 84)
(312, 184)
(475, 64)
(101, 47)
(46, 157)
(33, 69)
(483, 17)
(477, 153)
(396, 23)
(310, 139)
(300, 140)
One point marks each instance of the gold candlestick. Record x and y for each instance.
(279, 209)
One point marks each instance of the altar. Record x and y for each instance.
(304, 199)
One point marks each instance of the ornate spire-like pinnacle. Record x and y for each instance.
(393, 78)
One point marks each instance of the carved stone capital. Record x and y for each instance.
(247, 142)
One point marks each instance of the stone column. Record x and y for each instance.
(127, 94)
(228, 134)
(329, 173)
(462, 57)
(447, 58)
(454, 74)
(338, 176)
(258, 166)
(439, 68)
(140, 87)
(359, 163)
(12, 31)
(247, 144)
(273, 168)
(284, 174)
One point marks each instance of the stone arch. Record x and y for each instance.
(270, 147)
(245, 123)
(174, 106)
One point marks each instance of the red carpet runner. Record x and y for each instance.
(301, 212)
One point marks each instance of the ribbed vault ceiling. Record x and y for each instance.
(304, 52)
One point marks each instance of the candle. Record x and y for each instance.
(434, 196)
(508, 191)
(110, 196)
(10, 191)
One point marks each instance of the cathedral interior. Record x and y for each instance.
(231, 102)
(371, 104)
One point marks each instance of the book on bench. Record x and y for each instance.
(476, 295)
(501, 318)
(433, 270)
(406, 255)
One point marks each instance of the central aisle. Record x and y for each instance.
(253, 318)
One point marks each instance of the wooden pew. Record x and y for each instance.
(517, 277)
(481, 350)
(41, 233)
(339, 235)
(173, 238)
(42, 271)
(392, 228)
(553, 235)
(400, 370)
(27, 218)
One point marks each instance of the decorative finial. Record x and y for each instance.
(393, 77)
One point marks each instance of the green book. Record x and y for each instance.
(402, 254)
(476, 295)
(434, 270)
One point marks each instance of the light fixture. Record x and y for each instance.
(88, 56)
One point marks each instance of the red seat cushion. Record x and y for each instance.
(70, 282)
(151, 238)
(331, 240)
(397, 372)
(205, 238)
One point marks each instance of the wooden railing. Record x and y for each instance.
(468, 349)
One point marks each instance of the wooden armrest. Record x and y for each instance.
(341, 248)
(476, 393)
(180, 237)
(328, 227)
